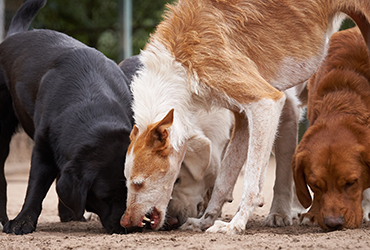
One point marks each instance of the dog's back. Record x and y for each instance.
(343, 69)
(29, 52)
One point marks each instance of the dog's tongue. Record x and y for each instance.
(154, 218)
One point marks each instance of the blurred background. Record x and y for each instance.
(99, 24)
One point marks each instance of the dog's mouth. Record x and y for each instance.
(151, 219)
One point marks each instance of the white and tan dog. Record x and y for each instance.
(236, 54)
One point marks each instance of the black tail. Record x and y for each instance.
(24, 16)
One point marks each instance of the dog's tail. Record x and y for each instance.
(361, 16)
(24, 16)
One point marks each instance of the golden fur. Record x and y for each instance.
(333, 157)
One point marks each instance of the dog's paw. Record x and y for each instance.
(307, 219)
(366, 206)
(229, 228)
(89, 216)
(19, 227)
(192, 224)
(278, 220)
(366, 217)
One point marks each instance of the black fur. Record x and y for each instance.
(130, 66)
(75, 104)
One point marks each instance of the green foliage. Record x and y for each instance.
(96, 22)
(348, 23)
(146, 16)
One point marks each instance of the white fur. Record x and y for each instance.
(285, 205)
(191, 190)
(366, 205)
(159, 80)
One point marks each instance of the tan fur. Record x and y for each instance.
(152, 148)
(248, 36)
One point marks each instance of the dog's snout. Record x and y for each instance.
(126, 221)
(334, 223)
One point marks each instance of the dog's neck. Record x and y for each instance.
(159, 86)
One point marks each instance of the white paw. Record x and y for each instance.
(297, 210)
(366, 216)
(230, 228)
(89, 216)
(277, 220)
(192, 224)
(306, 221)
(366, 205)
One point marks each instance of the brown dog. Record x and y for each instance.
(333, 157)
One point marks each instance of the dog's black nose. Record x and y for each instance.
(334, 223)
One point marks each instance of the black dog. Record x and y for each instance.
(75, 104)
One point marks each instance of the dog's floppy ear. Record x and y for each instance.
(72, 192)
(198, 156)
(158, 136)
(298, 165)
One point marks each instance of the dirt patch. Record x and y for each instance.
(52, 234)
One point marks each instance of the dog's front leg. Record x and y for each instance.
(42, 174)
(263, 117)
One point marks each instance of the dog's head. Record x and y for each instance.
(93, 180)
(334, 162)
(152, 166)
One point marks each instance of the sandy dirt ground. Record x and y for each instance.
(52, 234)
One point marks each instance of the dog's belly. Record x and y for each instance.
(292, 72)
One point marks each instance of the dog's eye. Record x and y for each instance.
(315, 187)
(177, 181)
(350, 184)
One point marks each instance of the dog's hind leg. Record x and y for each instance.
(286, 141)
(42, 174)
(260, 113)
(263, 119)
(8, 125)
